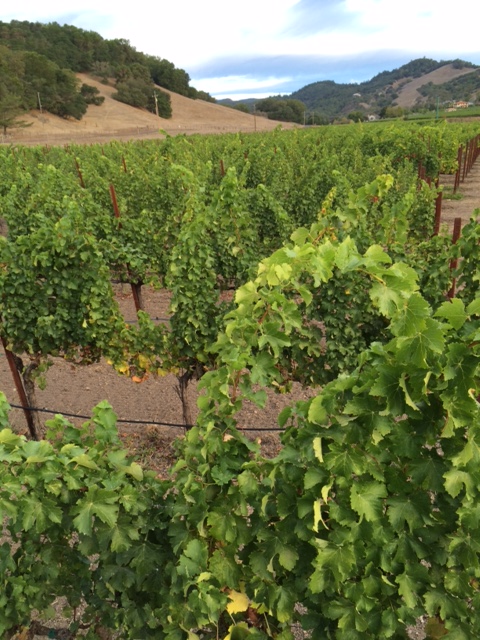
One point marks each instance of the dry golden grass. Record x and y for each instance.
(114, 120)
(408, 94)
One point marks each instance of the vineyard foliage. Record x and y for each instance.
(195, 215)
(295, 257)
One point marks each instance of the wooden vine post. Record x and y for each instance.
(438, 213)
(31, 416)
(136, 286)
(80, 175)
(457, 173)
(457, 230)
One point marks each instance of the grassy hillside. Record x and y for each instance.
(38, 63)
(113, 120)
(387, 88)
(412, 86)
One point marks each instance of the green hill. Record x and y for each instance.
(415, 85)
(383, 90)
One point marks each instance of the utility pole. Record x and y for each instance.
(156, 103)
(39, 102)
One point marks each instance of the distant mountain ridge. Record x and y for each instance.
(416, 84)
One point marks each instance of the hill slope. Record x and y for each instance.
(409, 96)
(398, 87)
(116, 120)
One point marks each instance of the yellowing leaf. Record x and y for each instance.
(403, 385)
(325, 491)
(317, 412)
(317, 515)
(135, 470)
(205, 575)
(283, 271)
(9, 438)
(85, 461)
(23, 634)
(143, 361)
(317, 447)
(238, 602)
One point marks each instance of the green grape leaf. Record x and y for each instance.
(367, 499)
(453, 311)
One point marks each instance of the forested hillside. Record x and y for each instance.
(38, 63)
(326, 100)
(332, 99)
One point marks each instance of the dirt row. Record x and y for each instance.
(467, 199)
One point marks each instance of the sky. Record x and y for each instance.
(258, 48)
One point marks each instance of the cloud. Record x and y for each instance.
(241, 86)
(285, 74)
(309, 17)
(86, 15)
(277, 45)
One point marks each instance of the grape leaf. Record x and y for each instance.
(367, 499)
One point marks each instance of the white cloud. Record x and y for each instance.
(192, 33)
(239, 87)
(415, 25)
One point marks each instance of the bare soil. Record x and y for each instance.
(467, 199)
